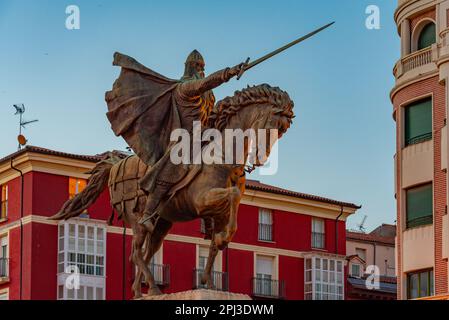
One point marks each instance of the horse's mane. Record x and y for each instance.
(261, 94)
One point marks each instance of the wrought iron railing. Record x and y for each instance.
(4, 267)
(265, 232)
(161, 274)
(318, 240)
(220, 280)
(419, 139)
(268, 288)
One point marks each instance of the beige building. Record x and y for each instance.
(420, 110)
(374, 248)
(363, 250)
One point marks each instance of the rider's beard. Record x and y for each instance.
(198, 75)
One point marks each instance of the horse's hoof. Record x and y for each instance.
(137, 296)
(155, 291)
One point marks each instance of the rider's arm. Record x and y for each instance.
(194, 88)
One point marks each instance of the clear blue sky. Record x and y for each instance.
(341, 144)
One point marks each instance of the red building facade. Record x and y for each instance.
(288, 245)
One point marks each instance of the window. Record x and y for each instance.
(419, 206)
(427, 36)
(76, 186)
(418, 122)
(323, 279)
(3, 257)
(4, 296)
(4, 202)
(264, 284)
(318, 236)
(420, 284)
(355, 270)
(361, 253)
(82, 247)
(265, 225)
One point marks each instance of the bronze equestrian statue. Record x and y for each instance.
(148, 190)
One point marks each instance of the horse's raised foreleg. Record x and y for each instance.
(224, 237)
(206, 278)
(222, 201)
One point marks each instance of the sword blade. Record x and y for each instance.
(291, 44)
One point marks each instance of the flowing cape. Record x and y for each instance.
(142, 108)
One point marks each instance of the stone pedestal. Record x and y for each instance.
(199, 294)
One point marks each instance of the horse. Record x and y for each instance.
(213, 193)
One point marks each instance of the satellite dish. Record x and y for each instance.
(22, 140)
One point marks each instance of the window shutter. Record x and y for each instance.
(418, 121)
(264, 265)
(419, 205)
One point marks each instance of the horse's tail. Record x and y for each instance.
(83, 200)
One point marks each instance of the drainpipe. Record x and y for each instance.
(124, 262)
(227, 266)
(21, 226)
(336, 230)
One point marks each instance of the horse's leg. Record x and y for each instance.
(222, 198)
(161, 228)
(137, 284)
(206, 278)
(140, 233)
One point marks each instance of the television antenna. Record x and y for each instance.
(20, 110)
(361, 225)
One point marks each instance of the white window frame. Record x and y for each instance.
(275, 268)
(5, 238)
(314, 244)
(5, 214)
(359, 274)
(266, 219)
(316, 287)
(96, 284)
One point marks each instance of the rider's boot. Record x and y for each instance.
(150, 214)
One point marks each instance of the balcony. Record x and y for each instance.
(161, 274)
(267, 288)
(318, 239)
(265, 232)
(415, 60)
(219, 280)
(4, 266)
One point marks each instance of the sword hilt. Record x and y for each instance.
(242, 70)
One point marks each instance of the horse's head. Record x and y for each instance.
(266, 111)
